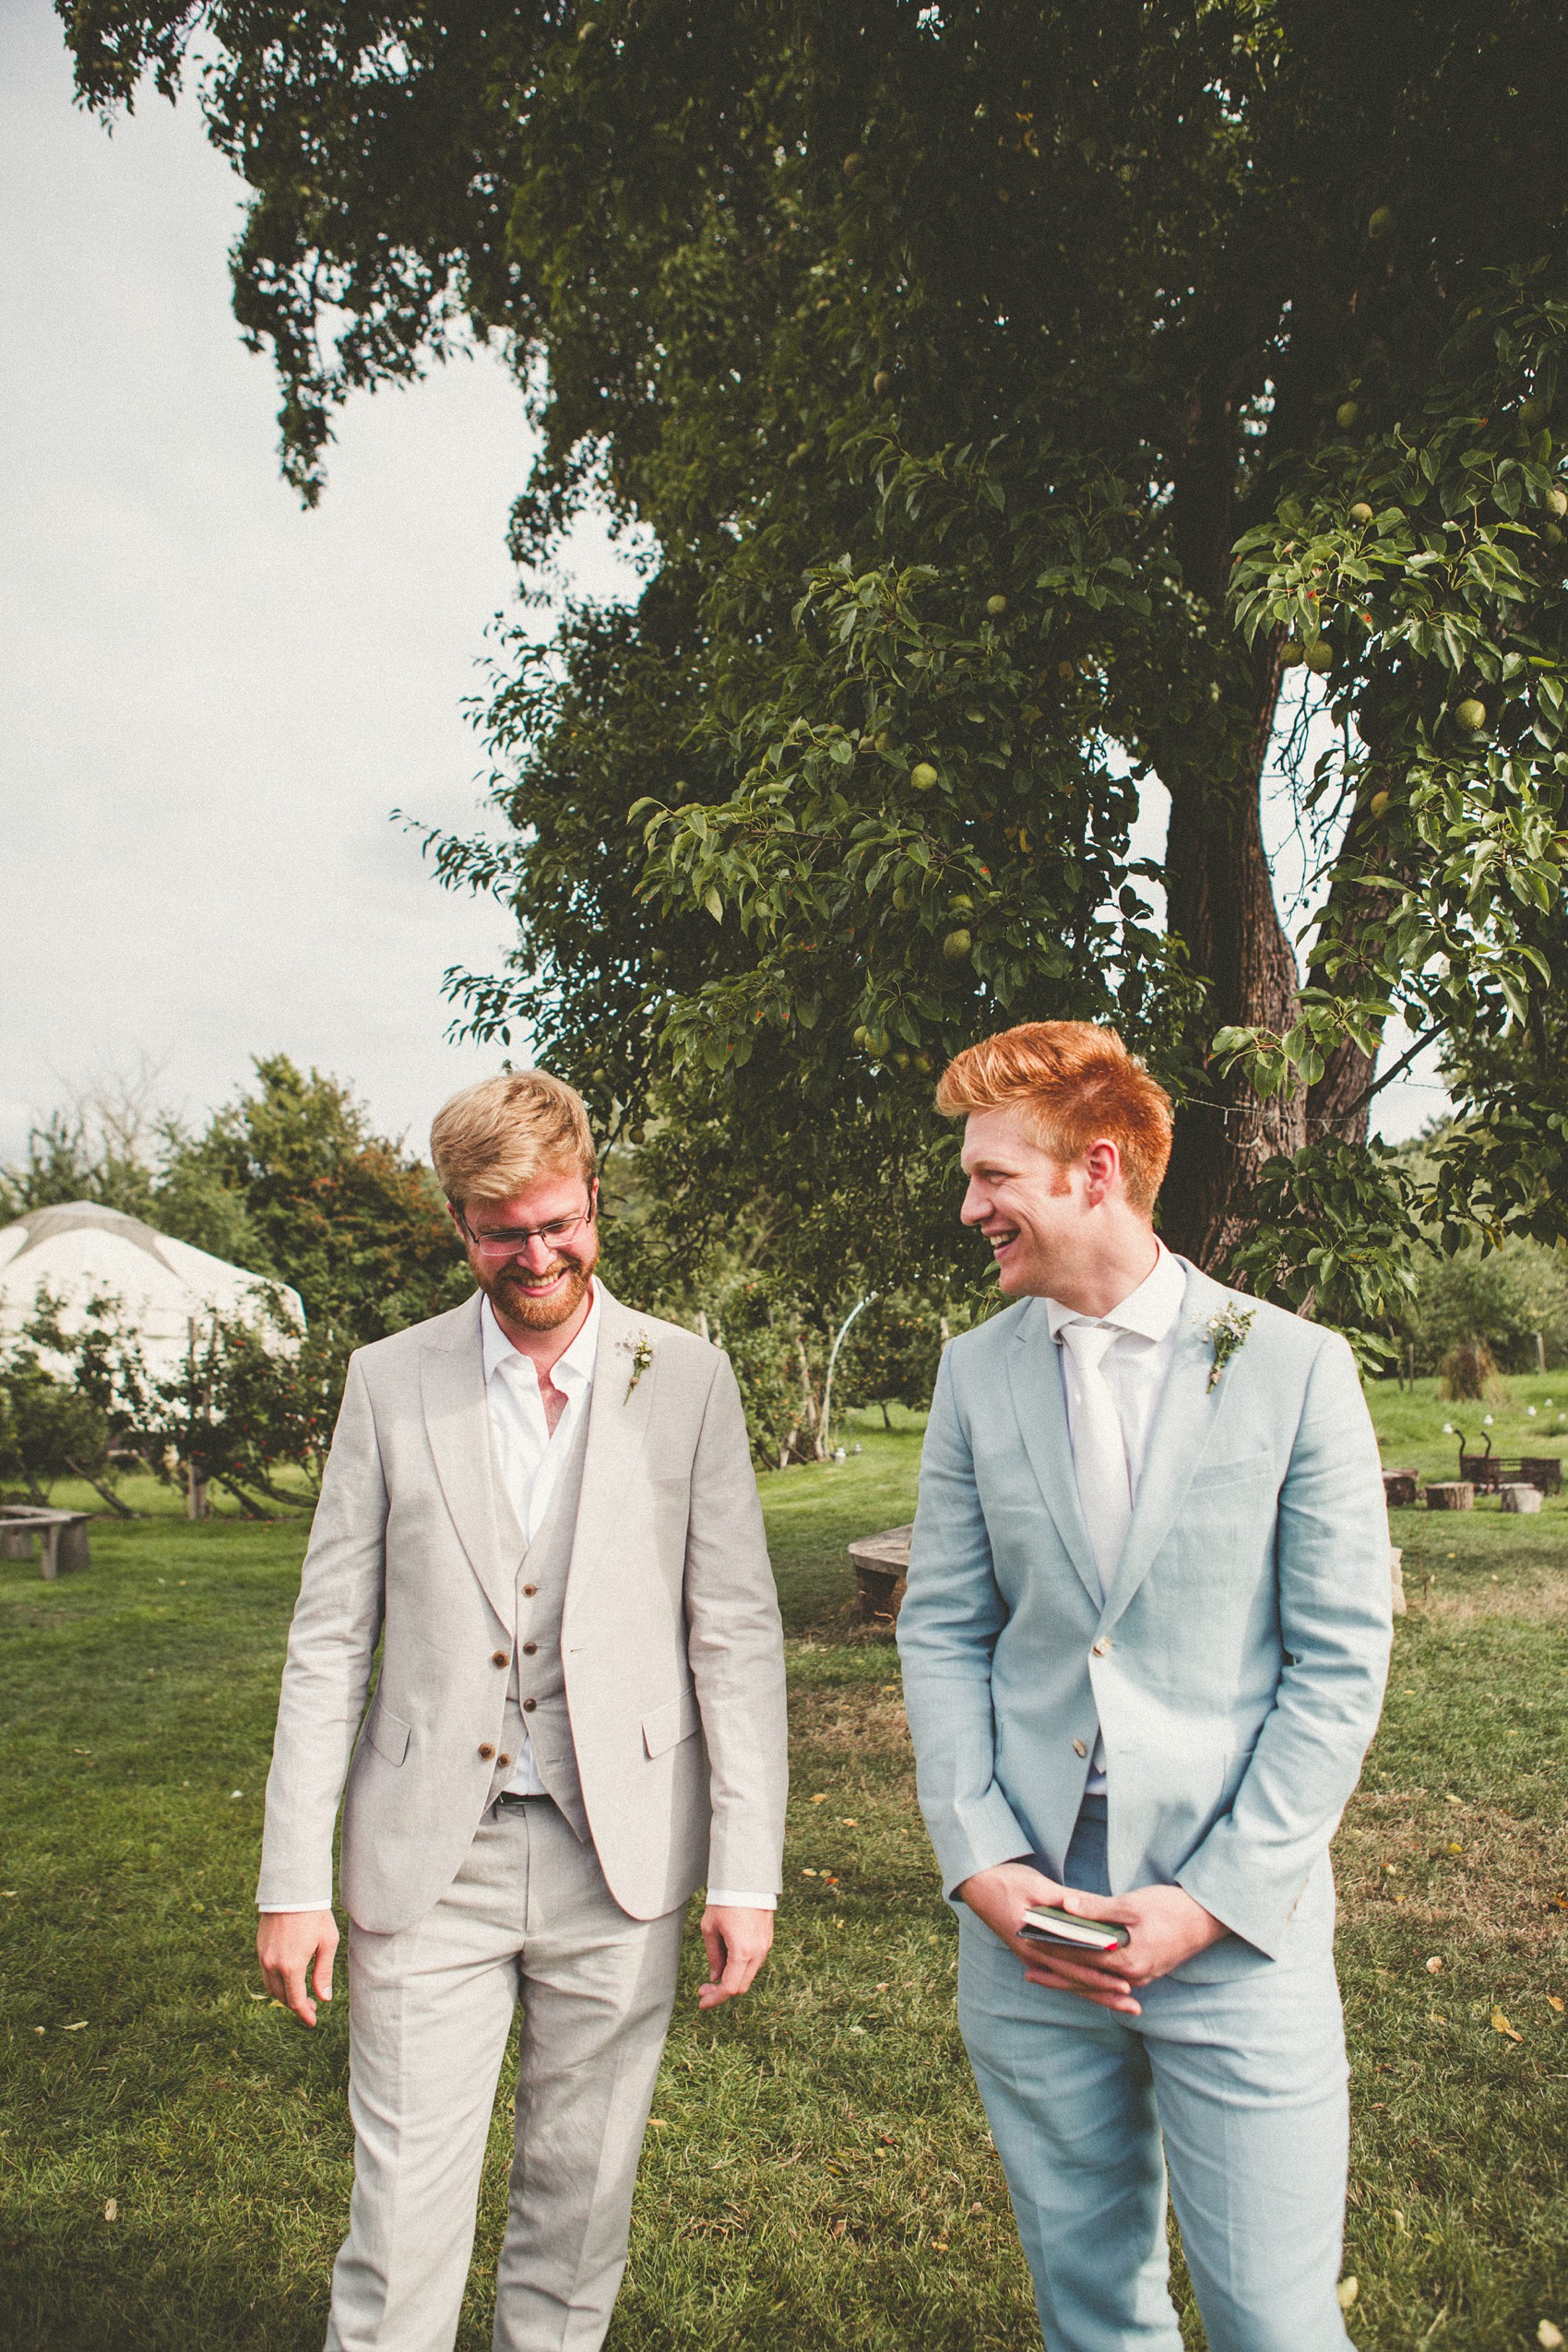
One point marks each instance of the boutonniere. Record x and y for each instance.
(641, 1349)
(1226, 1334)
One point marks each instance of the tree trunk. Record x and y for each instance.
(1220, 898)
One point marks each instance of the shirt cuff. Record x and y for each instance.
(268, 1910)
(728, 1900)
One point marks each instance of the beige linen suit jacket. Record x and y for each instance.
(671, 1641)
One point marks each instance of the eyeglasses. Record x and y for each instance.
(515, 1239)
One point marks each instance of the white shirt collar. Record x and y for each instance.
(573, 1369)
(1149, 1311)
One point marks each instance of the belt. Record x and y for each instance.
(524, 1796)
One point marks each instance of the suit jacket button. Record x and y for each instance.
(529, 1705)
(529, 1649)
(1079, 1749)
(486, 1751)
(1101, 1647)
(505, 1760)
(528, 1591)
(499, 1657)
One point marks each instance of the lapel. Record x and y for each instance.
(617, 1429)
(457, 1422)
(1180, 1432)
(1041, 1405)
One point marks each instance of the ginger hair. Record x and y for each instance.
(495, 1138)
(1075, 1085)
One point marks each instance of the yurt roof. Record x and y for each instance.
(79, 1251)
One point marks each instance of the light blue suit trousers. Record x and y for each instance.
(1246, 2081)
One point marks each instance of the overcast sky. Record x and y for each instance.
(211, 699)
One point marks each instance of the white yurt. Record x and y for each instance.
(79, 1252)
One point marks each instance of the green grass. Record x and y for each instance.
(819, 2174)
(1410, 1422)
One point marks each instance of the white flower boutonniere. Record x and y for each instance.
(641, 1349)
(1227, 1333)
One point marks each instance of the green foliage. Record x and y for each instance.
(890, 1356)
(937, 360)
(1330, 1234)
(48, 1430)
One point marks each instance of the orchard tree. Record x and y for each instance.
(1014, 400)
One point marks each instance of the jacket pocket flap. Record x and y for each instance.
(671, 1723)
(388, 1735)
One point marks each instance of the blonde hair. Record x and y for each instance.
(495, 1138)
(1075, 1083)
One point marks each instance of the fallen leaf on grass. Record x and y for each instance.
(111, 2211)
(80, 2027)
(1554, 2000)
(1433, 1965)
(657, 2123)
(255, 1996)
(808, 1875)
(1549, 2337)
(847, 1821)
(1499, 2026)
(9, 1893)
(822, 1800)
(939, 2245)
(839, 2226)
(1347, 2291)
(1558, 1902)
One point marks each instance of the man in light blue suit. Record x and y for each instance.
(1144, 1643)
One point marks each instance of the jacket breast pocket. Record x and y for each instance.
(1244, 1469)
(388, 1735)
(667, 1726)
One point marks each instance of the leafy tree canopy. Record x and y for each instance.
(1014, 399)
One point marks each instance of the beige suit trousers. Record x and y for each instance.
(528, 1917)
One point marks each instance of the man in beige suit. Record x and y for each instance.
(543, 1507)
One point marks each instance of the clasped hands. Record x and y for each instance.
(296, 1949)
(1167, 1924)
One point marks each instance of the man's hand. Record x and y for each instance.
(738, 1943)
(287, 1942)
(1167, 1926)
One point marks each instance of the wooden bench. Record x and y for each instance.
(62, 1535)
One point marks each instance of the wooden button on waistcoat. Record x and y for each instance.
(529, 1649)
(529, 1705)
(499, 1657)
(528, 1591)
(503, 1760)
(1079, 1749)
(486, 1751)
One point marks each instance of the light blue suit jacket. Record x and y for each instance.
(1236, 1666)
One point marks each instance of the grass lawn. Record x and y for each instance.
(819, 2173)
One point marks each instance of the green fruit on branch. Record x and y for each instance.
(996, 606)
(638, 1135)
(660, 955)
(1534, 413)
(961, 903)
(1345, 415)
(1361, 513)
(1291, 654)
(854, 165)
(1471, 714)
(1381, 222)
(922, 775)
(860, 1034)
(1379, 804)
(882, 383)
(901, 899)
(1319, 657)
(1552, 534)
(1557, 502)
(956, 945)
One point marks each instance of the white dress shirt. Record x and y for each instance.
(1136, 1367)
(528, 1454)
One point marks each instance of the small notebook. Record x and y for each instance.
(1044, 1924)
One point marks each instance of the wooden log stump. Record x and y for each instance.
(1520, 1498)
(879, 1562)
(1451, 1494)
(1399, 1489)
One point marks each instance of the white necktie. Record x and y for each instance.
(1099, 1449)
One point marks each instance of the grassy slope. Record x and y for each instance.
(819, 2174)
